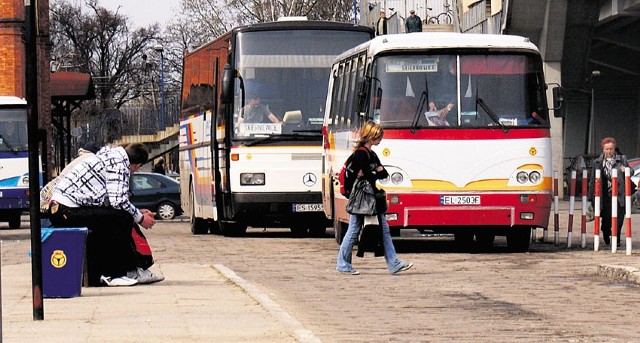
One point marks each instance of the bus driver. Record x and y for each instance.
(255, 112)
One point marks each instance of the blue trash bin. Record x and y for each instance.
(62, 261)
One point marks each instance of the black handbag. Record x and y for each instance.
(362, 199)
(381, 202)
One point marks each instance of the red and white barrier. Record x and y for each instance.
(583, 223)
(627, 212)
(596, 211)
(614, 210)
(556, 211)
(572, 203)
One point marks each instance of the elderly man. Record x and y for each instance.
(413, 23)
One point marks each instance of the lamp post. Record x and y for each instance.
(160, 49)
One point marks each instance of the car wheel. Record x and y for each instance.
(166, 210)
(14, 221)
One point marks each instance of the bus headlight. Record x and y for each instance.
(522, 177)
(534, 177)
(252, 179)
(397, 178)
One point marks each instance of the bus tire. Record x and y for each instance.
(339, 229)
(199, 226)
(464, 240)
(14, 221)
(318, 230)
(230, 229)
(484, 241)
(518, 239)
(299, 230)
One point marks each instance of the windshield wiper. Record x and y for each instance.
(424, 98)
(491, 114)
(4, 141)
(286, 137)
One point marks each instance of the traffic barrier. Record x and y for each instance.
(572, 202)
(614, 210)
(583, 223)
(596, 211)
(627, 212)
(556, 211)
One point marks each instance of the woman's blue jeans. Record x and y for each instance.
(346, 248)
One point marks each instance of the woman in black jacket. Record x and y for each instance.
(367, 165)
(606, 162)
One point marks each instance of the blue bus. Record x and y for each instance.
(14, 160)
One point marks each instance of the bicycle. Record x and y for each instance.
(445, 17)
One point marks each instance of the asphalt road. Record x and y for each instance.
(550, 294)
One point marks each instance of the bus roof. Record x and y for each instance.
(6, 100)
(441, 40)
(292, 23)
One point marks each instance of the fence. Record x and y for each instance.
(597, 220)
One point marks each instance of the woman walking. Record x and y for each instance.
(367, 165)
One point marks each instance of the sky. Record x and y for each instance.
(144, 12)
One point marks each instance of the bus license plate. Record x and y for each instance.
(459, 200)
(307, 207)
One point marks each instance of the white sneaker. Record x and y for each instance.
(119, 281)
(144, 276)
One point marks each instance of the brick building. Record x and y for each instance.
(13, 57)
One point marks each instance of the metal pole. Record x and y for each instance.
(31, 75)
(161, 90)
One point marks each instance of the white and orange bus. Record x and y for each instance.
(235, 173)
(466, 133)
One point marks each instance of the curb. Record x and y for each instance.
(299, 331)
(624, 273)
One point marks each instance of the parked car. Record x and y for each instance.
(156, 192)
(634, 162)
(578, 163)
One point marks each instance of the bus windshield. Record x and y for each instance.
(465, 91)
(13, 130)
(285, 77)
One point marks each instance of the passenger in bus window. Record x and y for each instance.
(255, 112)
(368, 166)
(397, 110)
(438, 116)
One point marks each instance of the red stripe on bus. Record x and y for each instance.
(467, 134)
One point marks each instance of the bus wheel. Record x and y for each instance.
(299, 230)
(484, 241)
(232, 229)
(318, 230)
(199, 226)
(464, 240)
(518, 239)
(14, 221)
(339, 229)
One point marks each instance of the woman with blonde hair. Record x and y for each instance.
(368, 166)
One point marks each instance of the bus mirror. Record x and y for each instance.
(558, 102)
(228, 75)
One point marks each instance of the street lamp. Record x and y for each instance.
(160, 49)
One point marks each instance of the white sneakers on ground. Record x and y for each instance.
(144, 276)
(133, 277)
(118, 281)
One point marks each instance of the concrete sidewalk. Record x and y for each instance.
(196, 303)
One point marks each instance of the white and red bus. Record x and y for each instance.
(235, 173)
(466, 133)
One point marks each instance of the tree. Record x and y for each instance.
(99, 42)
